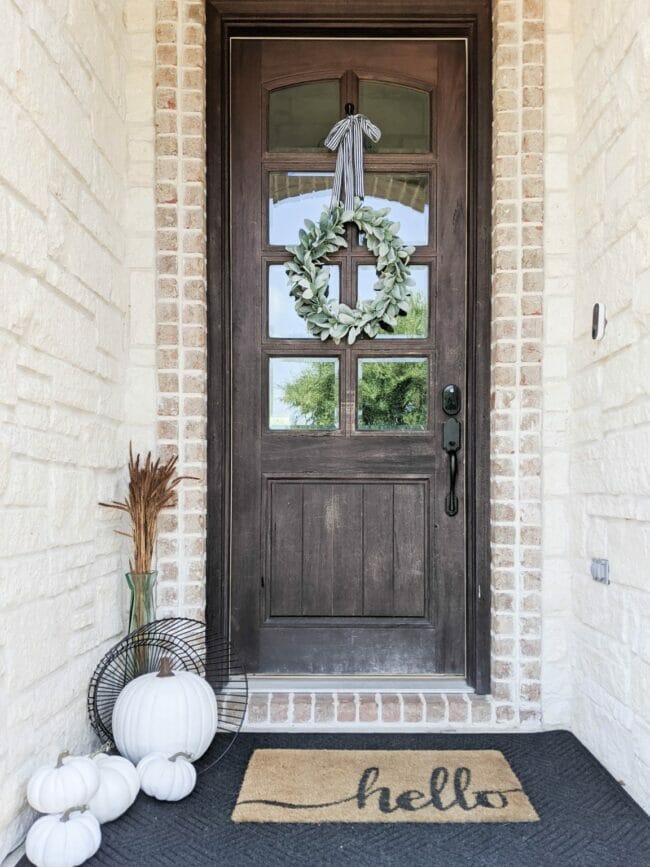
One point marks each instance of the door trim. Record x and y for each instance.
(466, 19)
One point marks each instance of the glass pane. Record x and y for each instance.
(407, 196)
(300, 116)
(416, 323)
(401, 113)
(283, 319)
(392, 394)
(294, 196)
(303, 393)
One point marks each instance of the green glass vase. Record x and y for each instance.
(142, 609)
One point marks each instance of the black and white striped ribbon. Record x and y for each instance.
(347, 137)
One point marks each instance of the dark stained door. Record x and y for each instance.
(343, 559)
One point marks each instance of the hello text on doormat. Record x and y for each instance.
(381, 786)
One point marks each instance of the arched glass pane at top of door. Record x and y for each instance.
(301, 115)
(403, 114)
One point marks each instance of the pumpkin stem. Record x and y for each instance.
(178, 756)
(63, 755)
(66, 816)
(165, 667)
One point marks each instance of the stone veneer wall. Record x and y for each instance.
(609, 433)
(517, 384)
(597, 396)
(76, 154)
(559, 261)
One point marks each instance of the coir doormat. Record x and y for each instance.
(381, 786)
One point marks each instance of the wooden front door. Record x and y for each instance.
(343, 558)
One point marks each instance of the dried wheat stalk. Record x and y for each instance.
(152, 488)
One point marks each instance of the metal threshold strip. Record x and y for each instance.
(357, 683)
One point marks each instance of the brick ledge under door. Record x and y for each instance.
(368, 710)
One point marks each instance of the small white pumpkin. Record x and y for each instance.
(119, 785)
(55, 789)
(63, 840)
(167, 712)
(167, 779)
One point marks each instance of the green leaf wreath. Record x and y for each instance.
(309, 278)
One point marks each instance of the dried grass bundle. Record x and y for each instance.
(152, 488)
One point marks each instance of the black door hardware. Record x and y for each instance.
(451, 434)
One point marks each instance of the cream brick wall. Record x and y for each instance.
(559, 289)
(597, 394)
(609, 434)
(76, 156)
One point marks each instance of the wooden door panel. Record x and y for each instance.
(347, 549)
(343, 559)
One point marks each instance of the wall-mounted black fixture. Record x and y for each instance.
(598, 321)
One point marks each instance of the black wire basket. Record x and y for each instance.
(189, 646)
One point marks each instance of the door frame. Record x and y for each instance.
(466, 19)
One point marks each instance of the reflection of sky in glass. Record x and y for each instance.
(414, 225)
(282, 371)
(283, 319)
(367, 277)
(287, 216)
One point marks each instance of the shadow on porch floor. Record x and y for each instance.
(586, 818)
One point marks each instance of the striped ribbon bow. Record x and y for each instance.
(347, 136)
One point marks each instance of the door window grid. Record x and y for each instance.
(298, 194)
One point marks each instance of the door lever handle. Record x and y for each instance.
(451, 444)
(451, 434)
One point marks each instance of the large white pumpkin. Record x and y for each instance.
(63, 840)
(70, 783)
(119, 785)
(168, 712)
(167, 779)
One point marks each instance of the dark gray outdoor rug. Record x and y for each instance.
(585, 816)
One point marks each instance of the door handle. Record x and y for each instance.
(451, 438)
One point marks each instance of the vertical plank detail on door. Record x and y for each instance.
(318, 554)
(286, 516)
(410, 550)
(348, 551)
(378, 532)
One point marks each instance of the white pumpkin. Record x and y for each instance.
(167, 779)
(55, 789)
(63, 840)
(168, 712)
(119, 785)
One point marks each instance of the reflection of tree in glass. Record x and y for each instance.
(393, 395)
(313, 395)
